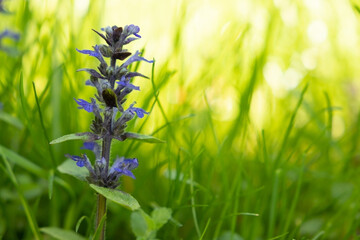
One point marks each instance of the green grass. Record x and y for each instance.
(241, 158)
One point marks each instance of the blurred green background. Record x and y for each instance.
(257, 102)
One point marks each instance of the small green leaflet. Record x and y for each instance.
(135, 136)
(145, 226)
(73, 136)
(143, 138)
(119, 197)
(161, 216)
(62, 234)
(69, 167)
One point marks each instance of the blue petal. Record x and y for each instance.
(131, 163)
(81, 163)
(124, 166)
(89, 145)
(84, 105)
(95, 53)
(133, 29)
(101, 161)
(125, 172)
(135, 58)
(139, 111)
(128, 85)
(9, 34)
(135, 74)
(88, 52)
(129, 40)
(92, 146)
(128, 173)
(89, 83)
(73, 157)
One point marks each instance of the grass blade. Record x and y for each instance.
(44, 129)
(289, 128)
(29, 215)
(273, 202)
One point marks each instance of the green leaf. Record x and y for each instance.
(73, 136)
(11, 120)
(138, 224)
(228, 235)
(28, 211)
(33, 168)
(62, 234)
(161, 216)
(357, 8)
(119, 197)
(143, 138)
(69, 167)
(3, 226)
(23, 162)
(143, 225)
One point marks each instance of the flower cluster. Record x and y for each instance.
(113, 84)
(98, 174)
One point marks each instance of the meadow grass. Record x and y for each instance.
(242, 160)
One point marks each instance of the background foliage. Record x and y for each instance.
(257, 102)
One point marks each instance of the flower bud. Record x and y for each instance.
(105, 50)
(109, 97)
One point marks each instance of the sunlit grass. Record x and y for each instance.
(257, 102)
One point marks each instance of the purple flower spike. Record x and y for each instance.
(113, 81)
(135, 58)
(84, 105)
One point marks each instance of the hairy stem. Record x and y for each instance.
(112, 79)
(101, 211)
(105, 153)
(113, 62)
(106, 145)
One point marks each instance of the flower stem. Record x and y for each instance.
(105, 153)
(101, 200)
(101, 211)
